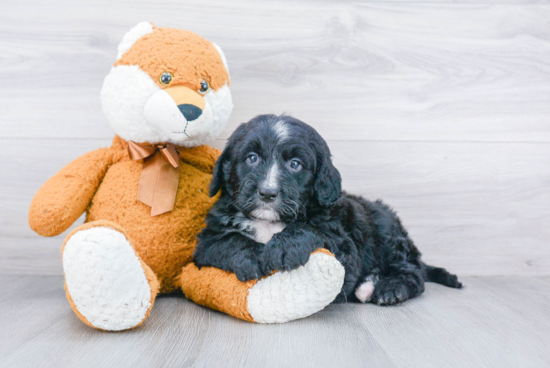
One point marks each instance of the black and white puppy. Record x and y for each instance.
(281, 199)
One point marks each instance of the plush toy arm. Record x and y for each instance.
(279, 298)
(66, 195)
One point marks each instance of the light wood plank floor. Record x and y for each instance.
(494, 322)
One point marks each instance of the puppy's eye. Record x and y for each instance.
(252, 159)
(165, 78)
(204, 87)
(295, 165)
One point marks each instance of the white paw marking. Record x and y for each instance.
(364, 291)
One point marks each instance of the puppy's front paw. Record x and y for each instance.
(389, 292)
(249, 269)
(277, 257)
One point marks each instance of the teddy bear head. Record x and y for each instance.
(167, 86)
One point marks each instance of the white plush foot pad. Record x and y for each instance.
(286, 296)
(105, 279)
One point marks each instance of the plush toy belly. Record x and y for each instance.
(164, 242)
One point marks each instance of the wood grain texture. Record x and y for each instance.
(362, 71)
(493, 322)
(476, 208)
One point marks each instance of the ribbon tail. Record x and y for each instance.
(171, 155)
(167, 187)
(148, 181)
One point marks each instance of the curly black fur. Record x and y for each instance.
(263, 193)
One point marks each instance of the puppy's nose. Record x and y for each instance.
(268, 194)
(191, 112)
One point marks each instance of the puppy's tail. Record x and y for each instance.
(441, 276)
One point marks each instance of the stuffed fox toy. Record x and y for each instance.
(146, 196)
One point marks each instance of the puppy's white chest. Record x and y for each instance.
(264, 230)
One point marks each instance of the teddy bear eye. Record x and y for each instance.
(204, 87)
(166, 78)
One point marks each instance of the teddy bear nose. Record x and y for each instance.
(190, 112)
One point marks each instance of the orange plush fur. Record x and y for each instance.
(166, 242)
(189, 57)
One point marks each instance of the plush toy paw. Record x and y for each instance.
(106, 283)
(286, 296)
(279, 298)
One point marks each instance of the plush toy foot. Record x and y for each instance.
(279, 298)
(108, 286)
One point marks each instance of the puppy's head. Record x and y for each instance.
(274, 167)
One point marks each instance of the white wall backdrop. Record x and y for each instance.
(441, 108)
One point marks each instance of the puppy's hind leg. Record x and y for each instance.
(400, 282)
(441, 276)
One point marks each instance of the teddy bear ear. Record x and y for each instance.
(139, 30)
(222, 55)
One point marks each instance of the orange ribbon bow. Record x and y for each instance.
(158, 183)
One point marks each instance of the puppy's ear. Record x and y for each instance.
(328, 183)
(220, 175)
(218, 180)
